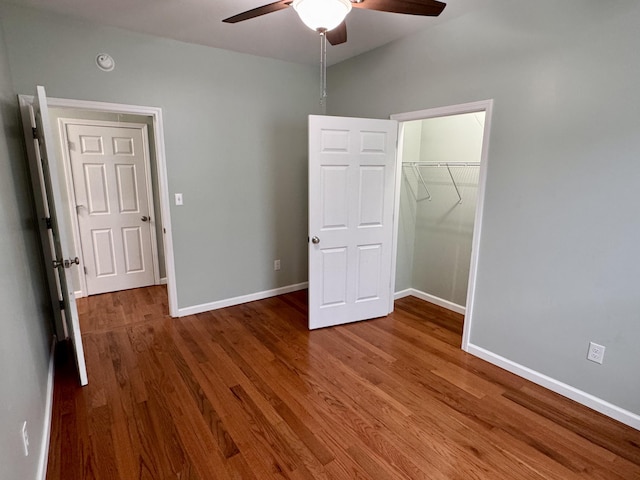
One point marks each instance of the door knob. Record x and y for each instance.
(315, 240)
(71, 261)
(145, 218)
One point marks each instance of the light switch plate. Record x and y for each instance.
(178, 199)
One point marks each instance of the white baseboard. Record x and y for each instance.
(403, 293)
(163, 281)
(229, 302)
(43, 458)
(584, 398)
(454, 307)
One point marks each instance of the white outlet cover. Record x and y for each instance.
(596, 353)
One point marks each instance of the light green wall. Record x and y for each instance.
(26, 314)
(56, 113)
(454, 138)
(412, 136)
(235, 135)
(558, 259)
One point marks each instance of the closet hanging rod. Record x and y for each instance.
(416, 170)
(440, 164)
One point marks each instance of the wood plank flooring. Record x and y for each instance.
(247, 392)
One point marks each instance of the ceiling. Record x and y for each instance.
(278, 35)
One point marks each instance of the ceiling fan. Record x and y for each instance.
(327, 17)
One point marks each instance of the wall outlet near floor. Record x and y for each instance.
(596, 353)
(25, 439)
(276, 265)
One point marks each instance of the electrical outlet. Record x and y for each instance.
(276, 265)
(178, 199)
(25, 439)
(596, 353)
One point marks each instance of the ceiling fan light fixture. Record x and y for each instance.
(323, 15)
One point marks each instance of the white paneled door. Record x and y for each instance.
(352, 168)
(112, 187)
(55, 231)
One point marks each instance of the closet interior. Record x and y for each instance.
(440, 167)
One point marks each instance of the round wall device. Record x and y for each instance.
(105, 62)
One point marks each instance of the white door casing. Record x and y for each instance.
(480, 106)
(113, 196)
(43, 164)
(352, 169)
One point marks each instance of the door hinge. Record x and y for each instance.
(61, 304)
(47, 222)
(34, 131)
(86, 272)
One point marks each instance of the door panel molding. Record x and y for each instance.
(352, 168)
(124, 187)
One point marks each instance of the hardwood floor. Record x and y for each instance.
(247, 392)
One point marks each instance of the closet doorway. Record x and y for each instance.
(442, 157)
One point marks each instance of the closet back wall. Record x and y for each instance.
(442, 227)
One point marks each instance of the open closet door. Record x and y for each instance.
(55, 232)
(352, 169)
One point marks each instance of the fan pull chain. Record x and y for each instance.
(323, 70)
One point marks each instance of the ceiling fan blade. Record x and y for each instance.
(427, 8)
(338, 35)
(258, 11)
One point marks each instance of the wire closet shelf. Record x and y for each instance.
(416, 166)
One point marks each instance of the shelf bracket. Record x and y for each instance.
(455, 185)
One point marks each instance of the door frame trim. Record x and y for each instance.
(66, 160)
(161, 170)
(472, 107)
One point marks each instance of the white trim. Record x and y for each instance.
(63, 122)
(229, 302)
(471, 107)
(396, 215)
(78, 294)
(427, 297)
(71, 196)
(477, 225)
(163, 280)
(43, 458)
(161, 164)
(403, 293)
(584, 398)
(481, 106)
